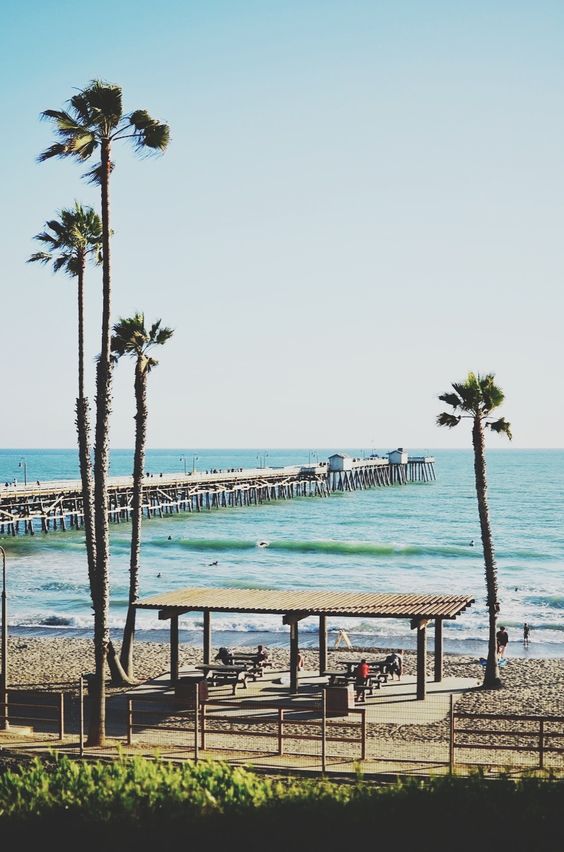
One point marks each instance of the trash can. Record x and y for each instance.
(339, 699)
(185, 692)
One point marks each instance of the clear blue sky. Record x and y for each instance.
(361, 202)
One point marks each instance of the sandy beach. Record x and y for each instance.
(529, 686)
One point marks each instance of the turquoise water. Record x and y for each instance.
(413, 538)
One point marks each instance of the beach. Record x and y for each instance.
(534, 686)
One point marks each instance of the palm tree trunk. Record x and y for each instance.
(83, 432)
(137, 510)
(491, 676)
(97, 727)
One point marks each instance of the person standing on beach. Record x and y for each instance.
(526, 631)
(502, 640)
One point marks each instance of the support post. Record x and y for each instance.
(438, 650)
(174, 648)
(207, 637)
(294, 650)
(322, 644)
(420, 624)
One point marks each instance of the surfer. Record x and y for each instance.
(262, 543)
(471, 544)
(213, 563)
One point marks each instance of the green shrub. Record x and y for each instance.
(152, 804)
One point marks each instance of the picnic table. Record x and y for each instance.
(218, 674)
(378, 666)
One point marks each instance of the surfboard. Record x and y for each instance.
(263, 543)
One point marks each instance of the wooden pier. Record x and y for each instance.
(57, 505)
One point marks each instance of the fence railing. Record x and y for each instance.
(280, 724)
(541, 736)
(157, 725)
(25, 708)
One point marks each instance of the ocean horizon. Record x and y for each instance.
(415, 537)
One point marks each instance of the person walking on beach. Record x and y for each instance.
(394, 664)
(502, 640)
(526, 632)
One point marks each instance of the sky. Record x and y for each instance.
(360, 203)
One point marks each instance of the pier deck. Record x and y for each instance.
(57, 505)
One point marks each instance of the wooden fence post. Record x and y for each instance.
(323, 729)
(203, 728)
(363, 733)
(129, 721)
(451, 738)
(81, 717)
(61, 715)
(196, 719)
(280, 734)
(541, 744)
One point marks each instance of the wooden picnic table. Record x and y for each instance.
(376, 665)
(219, 674)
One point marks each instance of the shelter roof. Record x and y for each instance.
(308, 602)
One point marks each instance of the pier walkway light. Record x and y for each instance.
(23, 464)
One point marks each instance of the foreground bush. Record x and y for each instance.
(135, 803)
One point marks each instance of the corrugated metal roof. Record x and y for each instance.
(310, 601)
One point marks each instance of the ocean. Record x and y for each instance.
(409, 538)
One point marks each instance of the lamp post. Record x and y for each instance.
(23, 464)
(183, 459)
(312, 454)
(194, 460)
(4, 692)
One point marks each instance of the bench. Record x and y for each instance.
(252, 668)
(218, 678)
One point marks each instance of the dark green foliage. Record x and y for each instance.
(150, 805)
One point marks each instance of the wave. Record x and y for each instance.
(337, 547)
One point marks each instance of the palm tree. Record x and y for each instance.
(95, 120)
(70, 242)
(475, 399)
(130, 337)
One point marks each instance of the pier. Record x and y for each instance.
(57, 505)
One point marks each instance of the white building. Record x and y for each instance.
(340, 461)
(398, 456)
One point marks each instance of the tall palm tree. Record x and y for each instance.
(94, 121)
(132, 338)
(70, 242)
(475, 399)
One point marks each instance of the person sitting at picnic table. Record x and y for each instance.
(361, 674)
(262, 656)
(224, 656)
(394, 664)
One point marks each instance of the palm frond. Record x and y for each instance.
(56, 150)
(94, 176)
(149, 133)
(451, 399)
(501, 426)
(104, 101)
(447, 419)
(41, 256)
